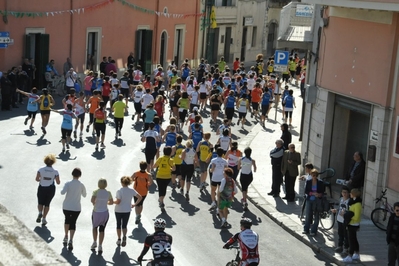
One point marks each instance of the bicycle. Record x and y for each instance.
(379, 216)
(327, 218)
(237, 260)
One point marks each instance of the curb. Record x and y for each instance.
(246, 142)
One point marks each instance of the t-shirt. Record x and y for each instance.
(119, 108)
(190, 156)
(256, 93)
(101, 203)
(246, 165)
(32, 105)
(227, 189)
(45, 102)
(125, 194)
(220, 164)
(124, 81)
(74, 190)
(204, 149)
(67, 117)
(106, 89)
(164, 167)
(141, 182)
(149, 115)
(224, 142)
(176, 158)
(161, 245)
(94, 104)
(150, 139)
(47, 176)
(137, 96)
(232, 157)
(147, 99)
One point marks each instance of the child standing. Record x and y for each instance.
(343, 243)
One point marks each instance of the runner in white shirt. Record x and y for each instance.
(217, 167)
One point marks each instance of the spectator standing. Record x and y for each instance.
(28, 68)
(277, 156)
(67, 66)
(130, 59)
(286, 135)
(110, 67)
(289, 168)
(343, 243)
(73, 191)
(355, 176)
(103, 64)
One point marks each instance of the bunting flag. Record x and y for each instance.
(78, 11)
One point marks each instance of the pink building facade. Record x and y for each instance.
(354, 70)
(158, 31)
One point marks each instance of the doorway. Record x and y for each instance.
(93, 48)
(178, 47)
(162, 53)
(243, 43)
(37, 47)
(271, 36)
(144, 50)
(227, 43)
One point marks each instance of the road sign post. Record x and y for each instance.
(281, 61)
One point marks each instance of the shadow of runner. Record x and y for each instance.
(139, 233)
(44, 233)
(97, 260)
(70, 257)
(40, 141)
(121, 258)
(99, 155)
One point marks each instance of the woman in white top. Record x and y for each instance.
(71, 207)
(46, 190)
(189, 157)
(100, 199)
(245, 164)
(123, 207)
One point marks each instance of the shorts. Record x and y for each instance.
(265, 109)
(137, 107)
(66, 133)
(202, 95)
(88, 93)
(214, 184)
(182, 115)
(242, 115)
(292, 73)
(224, 204)
(215, 107)
(177, 170)
(255, 106)
(245, 180)
(100, 128)
(288, 114)
(187, 171)
(45, 195)
(203, 166)
(105, 99)
(192, 106)
(229, 113)
(141, 202)
(135, 82)
(125, 92)
(150, 155)
(81, 118)
(286, 77)
(45, 112)
(32, 114)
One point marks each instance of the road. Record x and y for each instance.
(198, 239)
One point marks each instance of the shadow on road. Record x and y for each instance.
(40, 141)
(70, 257)
(139, 233)
(121, 258)
(97, 260)
(44, 233)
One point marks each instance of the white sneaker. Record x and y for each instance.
(356, 256)
(118, 242)
(44, 221)
(94, 245)
(347, 259)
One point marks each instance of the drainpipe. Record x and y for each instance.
(156, 36)
(203, 32)
(195, 30)
(71, 30)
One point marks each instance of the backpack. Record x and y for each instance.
(46, 101)
(137, 75)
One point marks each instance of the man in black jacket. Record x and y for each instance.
(286, 136)
(355, 176)
(393, 236)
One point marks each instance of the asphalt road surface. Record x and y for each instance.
(198, 239)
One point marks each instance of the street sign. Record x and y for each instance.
(281, 60)
(3, 45)
(5, 40)
(4, 34)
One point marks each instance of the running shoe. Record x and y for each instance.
(44, 130)
(39, 218)
(238, 122)
(100, 250)
(93, 246)
(44, 221)
(123, 241)
(70, 246)
(120, 134)
(213, 207)
(187, 197)
(226, 224)
(87, 129)
(223, 225)
(75, 135)
(26, 121)
(96, 147)
(67, 146)
(137, 220)
(182, 191)
(118, 242)
(65, 242)
(102, 145)
(93, 133)
(81, 134)
(63, 149)
(116, 135)
(31, 127)
(132, 117)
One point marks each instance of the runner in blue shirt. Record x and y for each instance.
(267, 97)
(32, 105)
(66, 127)
(170, 137)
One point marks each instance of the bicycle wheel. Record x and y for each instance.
(380, 217)
(232, 263)
(60, 88)
(327, 219)
(302, 215)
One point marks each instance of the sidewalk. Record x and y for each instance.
(19, 246)
(373, 247)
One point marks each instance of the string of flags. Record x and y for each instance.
(82, 10)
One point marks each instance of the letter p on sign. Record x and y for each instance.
(281, 57)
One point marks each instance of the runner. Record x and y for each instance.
(142, 180)
(80, 113)
(243, 107)
(189, 157)
(100, 116)
(218, 165)
(289, 102)
(204, 151)
(46, 102)
(177, 150)
(232, 156)
(150, 137)
(100, 199)
(183, 104)
(67, 125)
(227, 190)
(245, 164)
(165, 166)
(266, 96)
(124, 206)
(225, 141)
(229, 105)
(46, 190)
(149, 115)
(158, 128)
(94, 102)
(119, 108)
(32, 106)
(106, 91)
(256, 98)
(137, 95)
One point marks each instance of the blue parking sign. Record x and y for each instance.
(281, 60)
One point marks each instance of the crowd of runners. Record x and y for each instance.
(173, 153)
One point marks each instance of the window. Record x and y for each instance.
(254, 31)
(227, 3)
